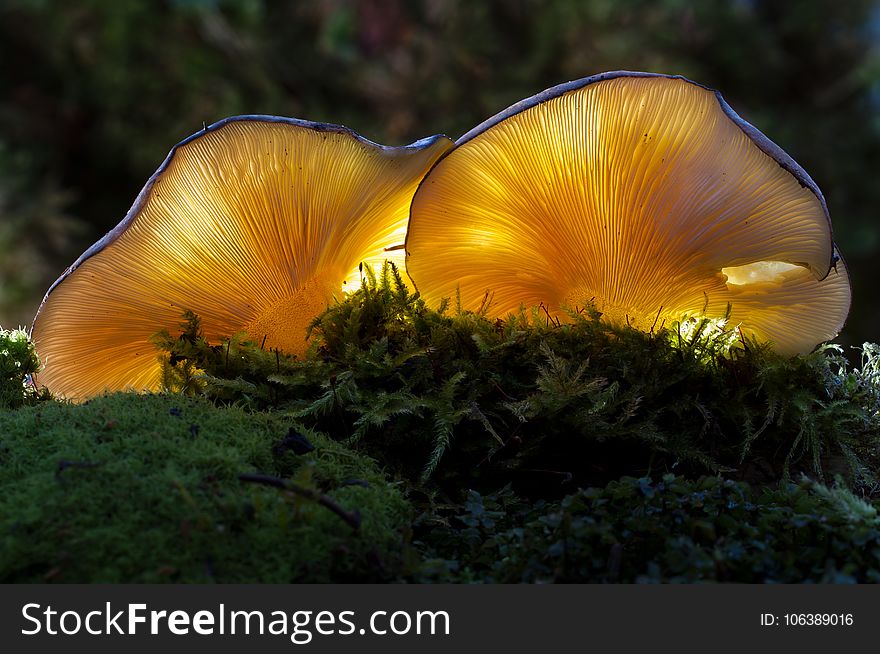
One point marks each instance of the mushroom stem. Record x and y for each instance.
(283, 324)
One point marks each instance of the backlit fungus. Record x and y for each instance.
(643, 194)
(254, 224)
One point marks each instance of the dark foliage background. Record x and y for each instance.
(93, 94)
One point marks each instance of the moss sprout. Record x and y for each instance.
(18, 361)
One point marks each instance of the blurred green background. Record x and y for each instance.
(94, 93)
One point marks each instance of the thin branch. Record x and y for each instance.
(351, 518)
(65, 464)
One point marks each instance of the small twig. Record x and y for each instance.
(501, 390)
(742, 337)
(656, 318)
(484, 304)
(363, 483)
(351, 518)
(566, 476)
(543, 307)
(64, 465)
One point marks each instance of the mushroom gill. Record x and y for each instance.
(253, 223)
(644, 194)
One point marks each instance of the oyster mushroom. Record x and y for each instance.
(252, 223)
(644, 194)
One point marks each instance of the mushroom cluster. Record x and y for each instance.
(643, 194)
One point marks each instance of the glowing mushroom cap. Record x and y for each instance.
(253, 223)
(644, 194)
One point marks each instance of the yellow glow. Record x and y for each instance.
(253, 225)
(635, 194)
(719, 330)
(758, 272)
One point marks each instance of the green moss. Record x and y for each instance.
(18, 360)
(456, 400)
(622, 456)
(130, 488)
(669, 530)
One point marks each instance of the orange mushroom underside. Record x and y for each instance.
(642, 195)
(254, 225)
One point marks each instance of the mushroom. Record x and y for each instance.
(253, 223)
(644, 194)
